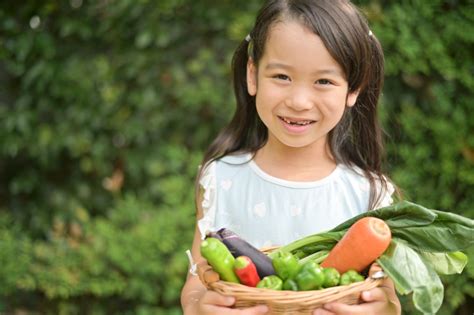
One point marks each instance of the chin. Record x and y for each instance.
(296, 144)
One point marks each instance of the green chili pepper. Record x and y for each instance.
(351, 276)
(220, 258)
(331, 277)
(271, 282)
(310, 277)
(290, 285)
(286, 265)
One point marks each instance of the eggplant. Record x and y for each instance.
(240, 247)
(214, 235)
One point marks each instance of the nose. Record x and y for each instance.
(301, 98)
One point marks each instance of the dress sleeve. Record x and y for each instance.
(386, 198)
(208, 184)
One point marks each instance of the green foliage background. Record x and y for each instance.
(107, 106)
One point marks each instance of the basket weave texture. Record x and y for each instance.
(284, 302)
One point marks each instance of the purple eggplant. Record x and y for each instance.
(239, 247)
(214, 235)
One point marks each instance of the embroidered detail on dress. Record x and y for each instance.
(260, 210)
(295, 211)
(208, 183)
(226, 184)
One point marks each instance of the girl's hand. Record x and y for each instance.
(381, 300)
(213, 303)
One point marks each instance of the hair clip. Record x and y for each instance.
(370, 33)
(248, 38)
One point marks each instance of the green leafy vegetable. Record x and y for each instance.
(446, 263)
(425, 243)
(412, 275)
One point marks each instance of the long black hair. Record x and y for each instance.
(357, 138)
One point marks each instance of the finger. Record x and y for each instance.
(214, 298)
(256, 310)
(384, 294)
(337, 308)
(341, 308)
(376, 294)
(361, 309)
(374, 268)
(387, 282)
(321, 311)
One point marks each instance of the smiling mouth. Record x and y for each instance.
(296, 122)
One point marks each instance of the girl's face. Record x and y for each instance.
(301, 91)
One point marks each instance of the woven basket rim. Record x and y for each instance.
(238, 287)
(284, 297)
(284, 302)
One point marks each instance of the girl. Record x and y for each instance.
(303, 150)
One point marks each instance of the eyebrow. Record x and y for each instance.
(277, 65)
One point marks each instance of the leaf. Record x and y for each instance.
(446, 263)
(410, 274)
(423, 228)
(401, 214)
(312, 243)
(438, 237)
(448, 233)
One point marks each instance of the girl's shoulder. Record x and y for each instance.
(236, 158)
(355, 178)
(227, 162)
(352, 173)
(230, 159)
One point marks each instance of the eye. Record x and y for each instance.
(281, 77)
(324, 82)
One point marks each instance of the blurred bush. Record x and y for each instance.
(106, 108)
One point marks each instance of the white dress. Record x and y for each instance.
(269, 211)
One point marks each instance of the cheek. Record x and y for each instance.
(267, 98)
(263, 109)
(333, 104)
(333, 108)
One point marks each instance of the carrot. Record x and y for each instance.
(362, 244)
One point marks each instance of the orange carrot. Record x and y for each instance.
(362, 244)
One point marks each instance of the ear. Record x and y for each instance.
(251, 77)
(352, 98)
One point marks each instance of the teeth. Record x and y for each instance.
(300, 123)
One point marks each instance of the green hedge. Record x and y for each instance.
(106, 108)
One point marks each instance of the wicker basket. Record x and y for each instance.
(286, 302)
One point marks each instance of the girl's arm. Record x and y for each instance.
(193, 289)
(196, 299)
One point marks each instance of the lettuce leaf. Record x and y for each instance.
(411, 274)
(446, 263)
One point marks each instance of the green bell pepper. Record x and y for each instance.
(271, 282)
(331, 277)
(290, 285)
(286, 265)
(351, 276)
(310, 277)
